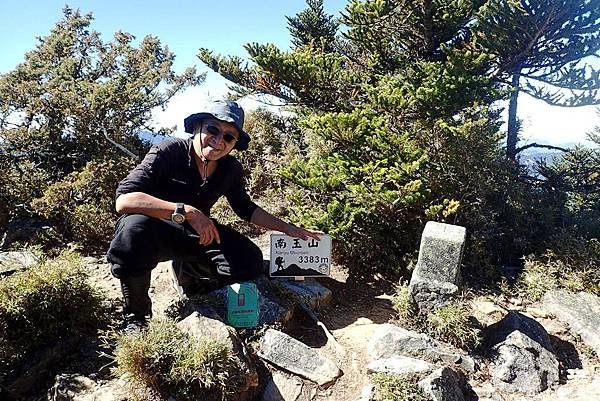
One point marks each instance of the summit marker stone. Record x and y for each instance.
(436, 277)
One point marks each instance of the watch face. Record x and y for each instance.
(178, 218)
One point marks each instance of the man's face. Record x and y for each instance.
(217, 138)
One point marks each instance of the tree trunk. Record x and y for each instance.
(513, 135)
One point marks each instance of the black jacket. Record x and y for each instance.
(169, 172)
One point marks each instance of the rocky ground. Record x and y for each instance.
(357, 311)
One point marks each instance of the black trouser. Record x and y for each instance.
(141, 242)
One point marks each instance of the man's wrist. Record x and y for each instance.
(179, 213)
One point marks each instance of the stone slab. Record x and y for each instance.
(436, 277)
(390, 340)
(580, 311)
(292, 355)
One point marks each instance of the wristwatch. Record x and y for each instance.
(178, 215)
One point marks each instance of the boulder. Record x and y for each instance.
(201, 327)
(430, 294)
(436, 277)
(515, 321)
(399, 365)
(67, 387)
(580, 311)
(282, 387)
(14, 261)
(272, 308)
(522, 355)
(444, 384)
(292, 355)
(390, 340)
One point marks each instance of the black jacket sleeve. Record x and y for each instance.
(147, 175)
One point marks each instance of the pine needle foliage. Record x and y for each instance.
(401, 126)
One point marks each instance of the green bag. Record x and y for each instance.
(242, 305)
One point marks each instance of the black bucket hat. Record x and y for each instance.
(223, 110)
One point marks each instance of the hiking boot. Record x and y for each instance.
(138, 306)
(132, 324)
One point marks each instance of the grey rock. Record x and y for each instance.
(294, 356)
(13, 261)
(513, 321)
(282, 388)
(310, 291)
(67, 386)
(580, 311)
(486, 392)
(523, 359)
(437, 274)
(389, 340)
(399, 365)
(272, 309)
(441, 251)
(444, 384)
(201, 327)
(520, 364)
(430, 294)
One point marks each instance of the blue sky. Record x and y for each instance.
(224, 26)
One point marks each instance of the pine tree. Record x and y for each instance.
(543, 47)
(387, 116)
(313, 26)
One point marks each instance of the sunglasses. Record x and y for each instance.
(215, 131)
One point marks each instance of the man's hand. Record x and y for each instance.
(298, 232)
(206, 229)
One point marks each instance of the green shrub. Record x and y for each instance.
(47, 302)
(402, 304)
(396, 388)
(19, 183)
(452, 323)
(573, 264)
(81, 206)
(537, 278)
(361, 181)
(170, 362)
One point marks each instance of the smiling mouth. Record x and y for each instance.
(215, 148)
